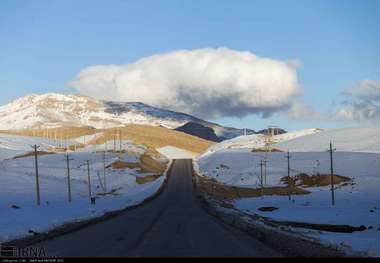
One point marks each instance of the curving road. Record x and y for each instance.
(172, 225)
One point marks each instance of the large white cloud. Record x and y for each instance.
(207, 83)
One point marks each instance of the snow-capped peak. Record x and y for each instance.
(58, 110)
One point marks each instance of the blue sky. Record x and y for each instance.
(44, 44)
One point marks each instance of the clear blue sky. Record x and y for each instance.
(43, 44)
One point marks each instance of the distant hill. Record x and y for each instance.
(54, 110)
(197, 129)
(276, 131)
(257, 141)
(358, 139)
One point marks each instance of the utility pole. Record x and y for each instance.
(261, 177)
(120, 140)
(332, 174)
(68, 177)
(67, 142)
(104, 171)
(265, 171)
(289, 192)
(37, 176)
(114, 140)
(89, 179)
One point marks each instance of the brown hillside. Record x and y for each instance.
(155, 137)
(61, 133)
(151, 136)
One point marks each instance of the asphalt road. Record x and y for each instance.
(172, 225)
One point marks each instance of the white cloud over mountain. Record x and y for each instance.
(208, 83)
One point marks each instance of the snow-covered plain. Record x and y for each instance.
(18, 188)
(363, 139)
(356, 204)
(258, 140)
(13, 145)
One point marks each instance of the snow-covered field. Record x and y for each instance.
(345, 139)
(356, 204)
(258, 140)
(13, 145)
(18, 187)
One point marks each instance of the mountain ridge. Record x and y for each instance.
(52, 110)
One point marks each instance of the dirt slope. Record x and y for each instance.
(151, 136)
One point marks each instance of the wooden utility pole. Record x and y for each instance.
(88, 179)
(114, 140)
(67, 142)
(120, 140)
(37, 176)
(265, 171)
(104, 171)
(289, 192)
(261, 177)
(68, 177)
(332, 175)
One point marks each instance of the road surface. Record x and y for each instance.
(172, 225)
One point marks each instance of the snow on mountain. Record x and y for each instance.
(258, 140)
(295, 134)
(58, 110)
(363, 139)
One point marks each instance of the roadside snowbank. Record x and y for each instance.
(18, 189)
(356, 204)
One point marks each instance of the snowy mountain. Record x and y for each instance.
(59, 110)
